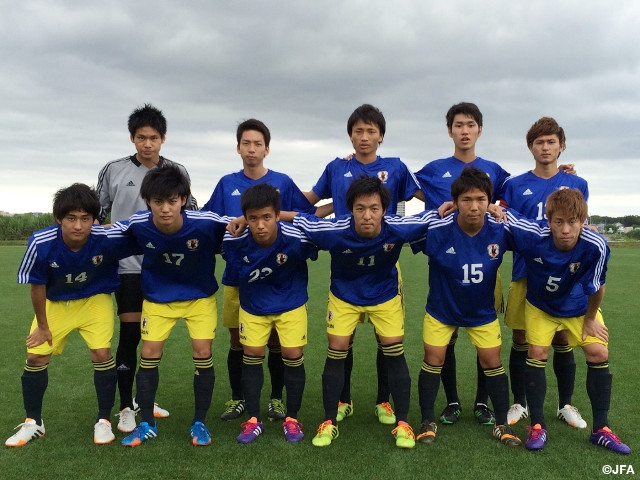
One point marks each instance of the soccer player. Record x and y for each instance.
(72, 267)
(464, 125)
(270, 261)
(119, 190)
(177, 282)
(527, 194)
(566, 272)
(366, 128)
(465, 250)
(365, 247)
(253, 138)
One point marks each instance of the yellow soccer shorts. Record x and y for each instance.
(387, 318)
(291, 326)
(200, 315)
(91, 316)
(230, 306)
(514, 315)
(541, 327)
(438, 334)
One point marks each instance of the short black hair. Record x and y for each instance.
(76, 197)
(253, 124)
(368, 114)
(365, 187)
(470, 178)
(164, 183)
(147, 116)
(464, 108)
(260, 196)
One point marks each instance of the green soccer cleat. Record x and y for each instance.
(276, 410)
(327, 432)
(404, 435)
(385, 414)
(344, 410)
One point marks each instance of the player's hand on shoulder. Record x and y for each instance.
(497, 212)
(569, 168)
(236, 226)
(446, 208)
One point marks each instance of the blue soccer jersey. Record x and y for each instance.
(272, 279)
(559, 283)
(463, 270)
(70, 275)
(527, 193)
(225, 200)
(363, 271)
(339, 174)
(437, 176)
(180, 266)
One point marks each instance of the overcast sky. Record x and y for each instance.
(74, 70)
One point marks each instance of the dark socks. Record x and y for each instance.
(448, 373)
(564, 366)
(599, 380)
(234, 367)
(428, 385)
(294, 380)
(252, 382)
(345, 394)
(204, 378)
(399, 379)
(276, 370)
(127, 360)
(333, 378)
(517, 365)
(105, 379)
(536, 382)
(147, 380)
(498, 387)
(34, 384)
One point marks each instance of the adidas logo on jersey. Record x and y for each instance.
(539, 260)
(149, 245)
(236, 192)
(348, 250)
(446, 175)
(54, 265)
(527, 192)
(348, 175)
(131, 184)
(246, 259)
(451, 250)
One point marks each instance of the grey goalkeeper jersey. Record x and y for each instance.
(119, 190)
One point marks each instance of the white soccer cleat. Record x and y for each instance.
(127, 422)
(158, 411)
(102, 433)
(29, 430)
(516, 413)
(571, 416)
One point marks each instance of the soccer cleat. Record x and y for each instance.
(483, 414)
(344, 410)
(276, 410)
(506, 436)
(404, 435)
(127, 421)
(200, 435)
(233, 409)
(607, 439)
(102, 433)
(142, 432)
(327, 432)
(158, 411)
(427, 432)
(29, 430)
(252, 429)
(292, 430)
(451, 414)
(516, 413)
(536, 438)
(385, 414)
(571, 416)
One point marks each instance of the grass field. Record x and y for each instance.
(365, 449)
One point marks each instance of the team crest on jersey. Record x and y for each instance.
(241, 327)
(493, 250)
(573, 268)
(145, 321)
(383, 175)
(97, 260)
(281, 258)
(387, 247)
(193, 244)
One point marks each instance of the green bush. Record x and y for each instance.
(20, 227)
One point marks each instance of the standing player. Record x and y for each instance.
(566, 272)
(465, 250)
(271, 264)
(365, 247)
(253, 138)
(177, 282)
(119, 190)
(366, 128)
(73, 269)
(527, 194)
(464, 124)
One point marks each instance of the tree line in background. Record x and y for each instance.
(20, 227)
